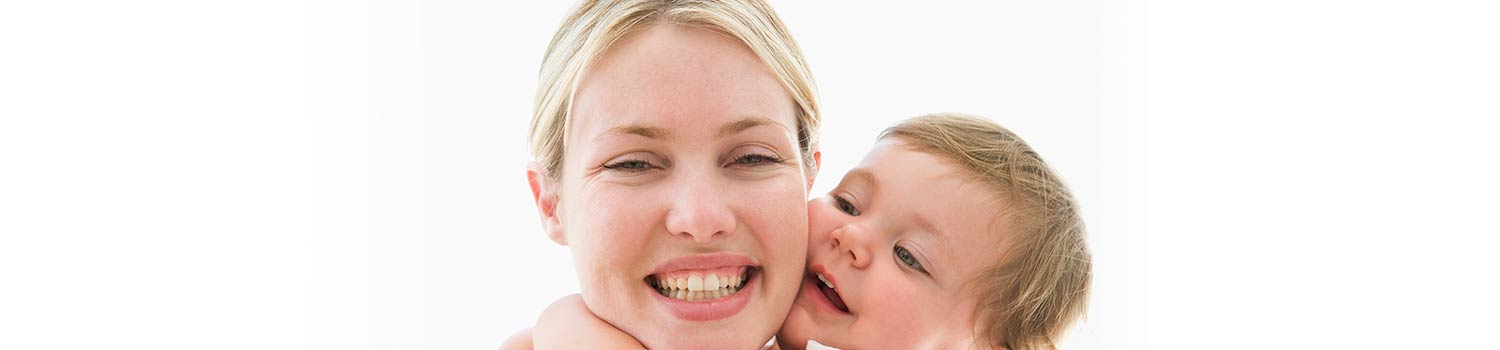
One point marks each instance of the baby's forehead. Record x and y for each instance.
(966, 217)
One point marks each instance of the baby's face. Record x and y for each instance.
(898, 239)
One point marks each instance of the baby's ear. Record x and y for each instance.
(544, 193)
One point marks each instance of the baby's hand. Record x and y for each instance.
(568, 324)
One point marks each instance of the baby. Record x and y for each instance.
(952, 233)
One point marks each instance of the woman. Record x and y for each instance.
(675, 145)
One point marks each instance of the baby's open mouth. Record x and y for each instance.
(701, 285)
(828, 290)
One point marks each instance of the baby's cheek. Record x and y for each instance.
(894, 315)
(822, 220)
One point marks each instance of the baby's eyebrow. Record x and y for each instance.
(863, 175)
(941, 237)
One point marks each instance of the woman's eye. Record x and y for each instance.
(630, 165)
(905, 257)
(844, 206)
(757, 159)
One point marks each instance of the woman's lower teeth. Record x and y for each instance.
(698, 295)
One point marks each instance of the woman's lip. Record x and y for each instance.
(709, 310)
(704, 262)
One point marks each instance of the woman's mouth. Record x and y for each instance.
(705, 287)
(701, 285)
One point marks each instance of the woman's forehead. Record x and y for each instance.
(699, 80)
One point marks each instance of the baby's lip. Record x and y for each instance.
(823, 271)
(822, 275)
(704, 262)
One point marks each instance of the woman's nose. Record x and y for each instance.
(700, 210)
(852, 240)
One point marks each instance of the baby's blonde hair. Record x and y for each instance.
(1039, 284)
(594, 25)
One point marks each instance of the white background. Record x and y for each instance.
(349, 174)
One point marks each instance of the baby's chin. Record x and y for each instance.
(799, 344)
(796, 331)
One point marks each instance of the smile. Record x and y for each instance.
(700, 285)
(704, 287)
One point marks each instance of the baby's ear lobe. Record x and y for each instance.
(544, 194)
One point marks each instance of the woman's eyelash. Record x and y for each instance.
(756, 158)
(628, 165)
(753, 159)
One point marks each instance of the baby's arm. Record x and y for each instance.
(568, 324)
(519, 341)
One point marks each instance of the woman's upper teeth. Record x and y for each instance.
(699, 282)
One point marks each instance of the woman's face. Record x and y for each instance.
(898, 239)
(682, 191)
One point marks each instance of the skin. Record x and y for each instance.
(897, 199)
(682, 143)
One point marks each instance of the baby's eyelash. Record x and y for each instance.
(905, 257)
(844, 206)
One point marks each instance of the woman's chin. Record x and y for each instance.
(733, 341)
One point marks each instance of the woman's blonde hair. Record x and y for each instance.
(1039, 284)
(594, 25)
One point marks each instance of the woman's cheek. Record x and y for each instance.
(611, 234)
(781, 210)
(777, 216)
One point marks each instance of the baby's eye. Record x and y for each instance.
(844, 206)
(905, 257)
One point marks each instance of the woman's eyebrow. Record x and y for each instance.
(657, 133)
(741, 125)
(649, 132)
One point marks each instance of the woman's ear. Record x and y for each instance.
(544, 193)
(812, 174)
